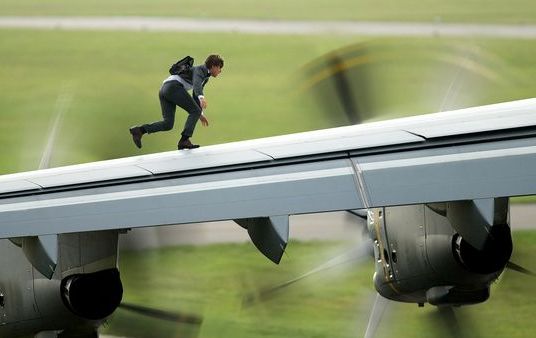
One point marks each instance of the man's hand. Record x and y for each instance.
(203, 103)
(204, 120)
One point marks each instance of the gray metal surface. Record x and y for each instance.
(88, 176)
(379, 164)
(17, 185)
(19, 299)
(337, 143)
(42, 252)
(503, 168)
(72, 175)
(269, 234)
(493, 117)
(183, 161)
(293, 189)
(497, 117)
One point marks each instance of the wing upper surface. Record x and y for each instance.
(480, 152)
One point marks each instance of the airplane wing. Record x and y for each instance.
(482, 152)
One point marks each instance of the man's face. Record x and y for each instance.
(215, 70)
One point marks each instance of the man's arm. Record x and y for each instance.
(204, 120)
(199, 75)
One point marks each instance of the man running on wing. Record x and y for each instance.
(174, 92)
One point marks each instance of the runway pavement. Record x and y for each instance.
(362, 28)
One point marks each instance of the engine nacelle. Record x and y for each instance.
(420, 257)
(92, 295)
(494, 255)
(450, 295)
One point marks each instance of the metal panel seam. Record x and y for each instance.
(145, 169)
(360, 183)
(178, 189)
(415, 134)
(32, 182)
(263, 153)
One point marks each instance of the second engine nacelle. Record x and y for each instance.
(92, 295)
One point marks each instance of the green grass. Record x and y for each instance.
(514, 11)
(113, 79)
(211, 280)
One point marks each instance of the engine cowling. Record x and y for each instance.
(93, 295)
(494, 255)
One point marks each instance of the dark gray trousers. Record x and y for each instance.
(173, 94)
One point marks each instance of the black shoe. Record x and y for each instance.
(136, 135)
(186, 144)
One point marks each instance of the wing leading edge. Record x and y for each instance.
(397, 162)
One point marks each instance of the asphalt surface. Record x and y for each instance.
(362, 28)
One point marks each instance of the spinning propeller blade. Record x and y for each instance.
(356, 255)
(376, 315)
(42, 251)
(449, 320)
(369, 80)
(519, 268)
(177, 317)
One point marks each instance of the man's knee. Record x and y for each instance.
(167, 125)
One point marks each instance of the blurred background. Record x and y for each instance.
(284, 61)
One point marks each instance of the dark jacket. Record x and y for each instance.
(197, 77)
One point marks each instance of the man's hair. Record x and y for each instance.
(214, 60)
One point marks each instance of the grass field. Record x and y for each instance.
(211, 280)
(113, 79)
(514, 11)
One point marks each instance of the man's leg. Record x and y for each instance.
(168, 116)
(194, 112)
(168, 107)
(180, 97)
